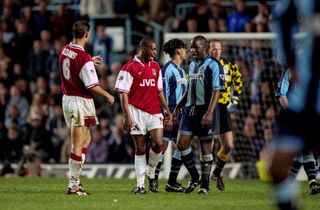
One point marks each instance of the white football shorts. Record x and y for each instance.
(82, 110)
(143, 121)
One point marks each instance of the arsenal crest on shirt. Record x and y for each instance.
(154, 71)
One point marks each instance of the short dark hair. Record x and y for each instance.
(145, 41)
(80, 28)
(200, 38)
(172, 45)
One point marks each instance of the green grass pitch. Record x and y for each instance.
(49, 193)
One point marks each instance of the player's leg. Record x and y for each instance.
(85, 147)
(158, 168)
(288, 143)
(285, 191)
(296, 164)
(223, 158)
(206, 165)
(75, 159)
(140, 163)
(155, 153)
(310, 169)
(176, 163)
(187, 157)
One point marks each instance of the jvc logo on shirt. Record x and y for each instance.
(148, 82)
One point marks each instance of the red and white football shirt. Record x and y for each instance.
(142, 82)
(77, 71)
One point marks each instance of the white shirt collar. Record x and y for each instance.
(76, 46)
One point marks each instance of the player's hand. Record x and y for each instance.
(167, 124)
(231, 107)
(110, 100)
(127, 124)
(167, 120)
(97, 60)
(175, 116)
(207, 119)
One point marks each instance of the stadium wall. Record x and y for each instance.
(119, 171)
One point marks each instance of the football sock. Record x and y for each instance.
(206, 165)
(158, 168)
(154, 157)
(75, 163)
(188, 161)
(140, 168)
(83, 155)
(309, 167)
(221, 161)
(296, 164)
(175, 167)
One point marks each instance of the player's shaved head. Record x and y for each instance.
(200, 39)
(147, 49)
(199, 47)
(145, 42)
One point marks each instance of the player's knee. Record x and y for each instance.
(229, 147)
(157, 146)
(140, 148)
(181, 146)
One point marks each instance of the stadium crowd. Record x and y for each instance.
(31, 37)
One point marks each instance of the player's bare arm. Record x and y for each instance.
(98, 90)
(283, 100)
(166, 111)
(127, 117)
(208, 116)
(176, 111)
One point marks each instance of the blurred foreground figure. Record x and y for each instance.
(297, 125)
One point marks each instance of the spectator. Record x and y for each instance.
(120, 143)
(262, 19)
(103, 45)
(52, 65)
(111, 79)
(97, 7)
(217, 17)
(3, 45)
(125, 8)
(42, 19)
(62, 22)
(8, 15)
(38, 108)
(13, 147)
(41, 86)
(23, 85)
(45, 40)
(98, 150)
(36, 60)
(58, 131)
(236, 21)
(4, 65)
(3, 100)
(3, 139)
(21, 43)
(28, 17)
(37, 138)
(16, 72)
(21, 104)
(196, 20)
